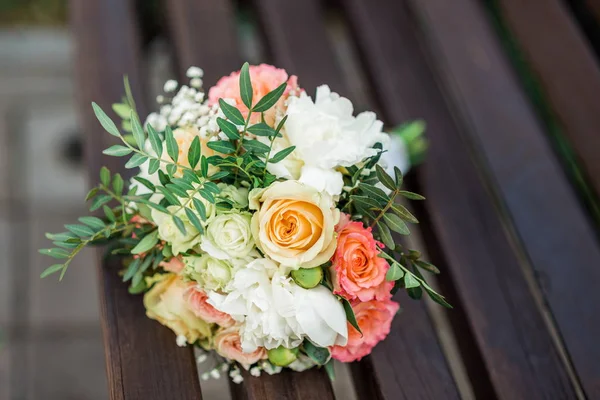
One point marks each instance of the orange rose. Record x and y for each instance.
(196, 299)
(228, 344)
(357, 270)
(174, 265)
(294, 224)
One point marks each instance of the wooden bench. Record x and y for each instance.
(504, 219)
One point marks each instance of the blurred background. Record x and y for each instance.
(50, 337)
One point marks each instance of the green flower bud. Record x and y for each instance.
(308, 278)
(282, 356)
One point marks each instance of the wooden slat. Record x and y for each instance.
(554, 229)
(142, 359)
(510, 332)
(203, 33)
(554, 46)
(409, 362)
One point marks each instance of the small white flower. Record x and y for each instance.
(205, 376)
(194, 72)
(237, 379)
(202, 358)
(255, 371)
(160, 98)
(181, 341)
(170, 86)
(215, 374)
(196, 83)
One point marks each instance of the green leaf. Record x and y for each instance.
(117, 151)
(262, 129)
(155, 141)
(231, 113)
(171, 169)
(100, 201)
(194, 220)
(200, 208)
(221, 146)
(255, 146)
(183, 183)
(117, 184)
(141, 287)
(128, 93)
(156, 206)
(218, 175)
(320, 355)
(270, 99)
(107, 123)
(415, 293)
(374, 192)
(147, 243)
(172, 147)
(398, 176)
(153, 166)
(396, 224)
(177, 190)
(410, 281)
(146, 183)
(350, 315)
(386, 236)
(330, 370)
(204, 166)
(207, 194)
(93, 222)
(246, 86)
(366, 202)
(171, 198)
(404, 213)
(179, 224)
(163, 178)
(93, 192)
(394, 273)
(437, 297)
(229, 129)
(132, 269)
(79, 230)
(122, 110)
(427, 266)
(136, 160)
(212, 187)
(105, 176)
(138, 131)
(384, 178)
(51, 270)
(281, 155)
(411, 195)
(194, 152)
(55, 253)
(109, 214)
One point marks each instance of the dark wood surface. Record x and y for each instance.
(505, 132)
(409, 362)
(509, 329)
(557, 51)
(138, 351)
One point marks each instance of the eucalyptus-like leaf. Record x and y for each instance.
(80, 230)
(182, 183)
(246, 91)
(110, 215)
(172, 147)
(411, 195)
(93, 222)
(194, 152)
(51, 270)
(136, 160)
(329, 368)
(171, 169)
(281, 155)
(177, 190)
(396, 224)
(415, 293)
(204, 166)
(386, 235)
(270, 99)
(132, 269)
(155, 206)
(437, 297)
(231, 112)
(146, 183)
(364, 201)
(394, 273)
(404, 213)
(55, 253)
(122, 110)
(320, 355)
(153, 166)
(374, 192)
(427, 266)
(107, 123)
(91, 194)
(398, 176)
(219, 175)
(384, 178)
(128, 93)
(179, 224)
(105, 176)
(255, 146)
(147, 243)
(211, 186)
(281, 123)
(229, 129)
(171, 198)
(262, 129)
(350, 315)
(117, 151)
(137, 130)
(155, 141)
(200, 208)
(207, 194)
(117, 184)
(221, 146)
(99, 201)
(410, 281)
(194, 220)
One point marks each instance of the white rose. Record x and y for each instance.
(328, 136)
(229, 236)
(238, 196)
(168, 231)
(210, 273)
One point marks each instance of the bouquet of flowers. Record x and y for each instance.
(260, 222)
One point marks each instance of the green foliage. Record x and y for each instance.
(320, 355)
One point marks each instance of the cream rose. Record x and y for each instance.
(228, 344)
(184, 138)
(238, 196)
(166, 303)
(294, 224)
(229, 236)
(210, 273)
(168, 231)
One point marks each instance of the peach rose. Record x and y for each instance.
(375, 320)
(184, 138)
(174, 265)
(264, 79)
(294, 224)
(166, 304)
(357, 270)
(228, 344)
(196, 300)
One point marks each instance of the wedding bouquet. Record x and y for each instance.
(260, 222)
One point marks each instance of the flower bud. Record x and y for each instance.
(282, 356)
(307, 278)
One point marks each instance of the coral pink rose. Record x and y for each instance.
(174, 265)
(264, 79)
(228, 344)
(196, 300)
(357, 271)
(375, 319)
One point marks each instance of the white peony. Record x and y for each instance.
(274, 311)
(328, 136)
